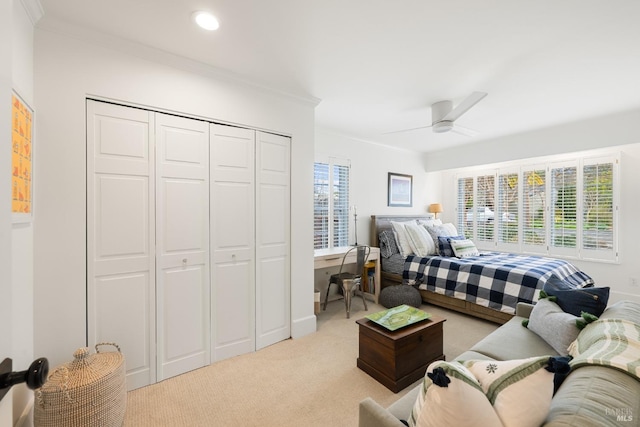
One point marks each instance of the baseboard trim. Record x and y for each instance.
(304, 326)
(26, 418)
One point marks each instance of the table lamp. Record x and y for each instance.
(435, 208)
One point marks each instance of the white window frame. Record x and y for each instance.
(577, 252)
(331, 162)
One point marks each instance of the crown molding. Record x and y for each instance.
(153, 54)
(34, 10)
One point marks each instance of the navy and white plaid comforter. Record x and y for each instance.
(495, 280)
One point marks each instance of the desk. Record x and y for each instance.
(332, 257)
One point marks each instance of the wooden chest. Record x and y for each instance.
(399, 358)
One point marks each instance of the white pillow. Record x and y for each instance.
(462, 403)
(446, 230)
(420, 240)
(519, 390)
(464, 248)
(402, 239)
(430, 222)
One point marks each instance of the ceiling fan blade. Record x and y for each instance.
(465, 105)
(461, 130)
(407, 130)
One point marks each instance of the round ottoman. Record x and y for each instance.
(393, 296)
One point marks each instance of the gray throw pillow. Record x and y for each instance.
(552, 324)
(388, 244)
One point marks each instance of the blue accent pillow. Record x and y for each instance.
(576, 300)
(444, 245)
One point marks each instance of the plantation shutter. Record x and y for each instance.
(341, 205)
(507, 213)
(534, 212)
(484, 214)
(331, 204)
(320, 205)
(465, 204)
(563, 210)
(599, 208)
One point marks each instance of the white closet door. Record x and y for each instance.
(273, 307)
(120, 235)
(183, 323)
(232, 241)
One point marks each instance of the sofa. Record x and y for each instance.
(590, 395)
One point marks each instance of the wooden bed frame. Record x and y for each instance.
(383, 222)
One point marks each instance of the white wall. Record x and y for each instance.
(16, 250)
(68, 68)
(370, 165)
(434, 179)
(6, 284)
(610, 134)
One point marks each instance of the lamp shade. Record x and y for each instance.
(435, 208)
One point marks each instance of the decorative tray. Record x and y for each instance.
(398, 317)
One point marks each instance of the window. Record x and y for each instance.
(566, 208)
(508, 202)
(484, 214)
(331, 204)
(465, 204)
(598, 206)
(534, 207)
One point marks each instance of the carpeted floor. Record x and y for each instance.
(310, 381)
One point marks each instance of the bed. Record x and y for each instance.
(487, 286)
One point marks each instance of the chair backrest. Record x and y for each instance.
(362, 254)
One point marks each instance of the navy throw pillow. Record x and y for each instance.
(576, 300)
(444, 246)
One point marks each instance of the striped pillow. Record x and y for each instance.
(463, 248)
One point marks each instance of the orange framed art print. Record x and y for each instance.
(21, 159)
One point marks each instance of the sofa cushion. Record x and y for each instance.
(449, 393)
(594, 396)
(519, 390)
(512, 341)
(625, 310)
(514, 393)
(551, 323)
(576, 300)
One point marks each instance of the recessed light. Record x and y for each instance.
(206, 20)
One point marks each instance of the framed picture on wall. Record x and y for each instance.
(21, 160)
(400, 190)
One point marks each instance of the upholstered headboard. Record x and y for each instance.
(380, 223)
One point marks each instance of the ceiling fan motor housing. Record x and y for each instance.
(439, 110)
(442, 126)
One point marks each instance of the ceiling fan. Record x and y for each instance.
(443, 115)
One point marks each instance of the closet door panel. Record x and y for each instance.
(232, 241)
(123, 312)
(120, 235)
(182, 206)
(272, 239)
(184, 313)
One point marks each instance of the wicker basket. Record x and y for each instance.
(88, 391)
